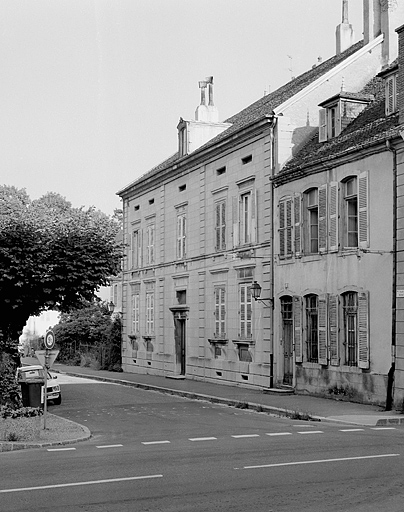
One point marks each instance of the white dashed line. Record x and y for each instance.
(280, 434)
(383, 428)
(351, 429)
(60, 449)
(245, 435)
(110, 446)
(202, 438)
(311, 432)
(156, 442)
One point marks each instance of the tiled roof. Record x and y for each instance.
(261, 108)
(371, 126)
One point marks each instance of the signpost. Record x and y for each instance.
(46, 358)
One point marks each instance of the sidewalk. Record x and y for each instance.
(296, 406)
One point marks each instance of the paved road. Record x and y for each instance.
(153, 452)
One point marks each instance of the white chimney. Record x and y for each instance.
(344, 33)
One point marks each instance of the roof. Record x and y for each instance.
(258, 110)
(370, 127)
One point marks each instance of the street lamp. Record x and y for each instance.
(256, 294)
(111, 307)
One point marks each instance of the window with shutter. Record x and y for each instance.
(181, 236)
(312, 328)
(220, 226)
(137, 249)
(149, 312)
(285, 228)
(322, 218)
(311, 223)
(333, 329)
(150, 244)
(351, 328)
(322, 330)
(220, 311)
(245, 311)
(350, 217)
(235, 222)
(297, 329)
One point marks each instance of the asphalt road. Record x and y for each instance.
(153, 452)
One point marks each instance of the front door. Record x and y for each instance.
(287, 337)
(179, 335)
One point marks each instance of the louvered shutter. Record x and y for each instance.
(363, 330)
(297, 329)
(254, 207)
(333, 329)
(217, 311)
(140, 249)
(333, 217)
(297, 222)
(322, 330)
(363, 198)
(282, 219)
(390, 95)
(322, 218)
(218, 223)
(322, 125)
(235, 212)
(289, 227)
(223, 227)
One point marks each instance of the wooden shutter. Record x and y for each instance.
(297, 221)
(217, 226)
(289, 227)
(322, 330)
(333, 217)
(235, 212)
(333, 330)
(322, 218)
(297, 329)
(282, 220)
(254, 207)
(363, 199)
(363, 330)
(322, 125)
(223, 227)
(390, 95)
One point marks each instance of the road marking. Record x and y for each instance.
(109, 446)
(280, 434)
(311, 432)
(60, 449)
(322, 460)
(76, 484)
(156, 442)
(383, 428)
(245, 435)
(351, 429)
(202, 438)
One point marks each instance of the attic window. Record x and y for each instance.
(220, 171)
(181, 188)
(329, 122)
(136, 207)
(246, 159)
(151, 201)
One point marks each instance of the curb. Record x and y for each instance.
(272, 410)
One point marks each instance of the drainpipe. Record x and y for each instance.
(272, 274)
(390, 375)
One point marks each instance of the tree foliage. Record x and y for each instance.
(52, 256)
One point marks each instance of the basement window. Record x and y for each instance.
(246, 160)
(181, 188)
(220, 171)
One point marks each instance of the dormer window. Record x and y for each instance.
(182, 137)
(339, 111)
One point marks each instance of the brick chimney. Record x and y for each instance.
(400, 78)
(344, 33)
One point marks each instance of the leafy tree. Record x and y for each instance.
(90, 329)
(52, 256)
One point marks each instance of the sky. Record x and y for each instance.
(91, 91)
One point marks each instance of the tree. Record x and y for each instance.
(90, 329)
(52, 256)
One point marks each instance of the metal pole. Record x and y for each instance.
(45, 405)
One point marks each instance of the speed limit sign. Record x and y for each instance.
(49, 339)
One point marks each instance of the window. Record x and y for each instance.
(351, 212)
(245, 311)
(329, 122)
(181, 236)
(220, 311)
(183, 140)
(135, 312)
(244, 353)
(149, 313)
(285, 228)
(312, 328)
(350, 316)
(220, 171)
(312, 217)
(150, 244)
(136, 249)
(246, 160)
(245, 218)
(220, 226)
(151, 201)
(244, 214)
(181, 188)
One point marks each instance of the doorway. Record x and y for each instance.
(180, 345)
(287, 337)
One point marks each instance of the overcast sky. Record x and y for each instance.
(91, 91)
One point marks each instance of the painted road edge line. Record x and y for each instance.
(76, 484)
(342, 459)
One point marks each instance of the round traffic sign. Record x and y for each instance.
(49, 339)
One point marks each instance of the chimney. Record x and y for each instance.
(371, 20)
(344, 32)
(400, 78)
(207, 113)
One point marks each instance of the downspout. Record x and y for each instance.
(272, 273)
(390, 375)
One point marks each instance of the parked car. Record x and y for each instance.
(26, 373)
